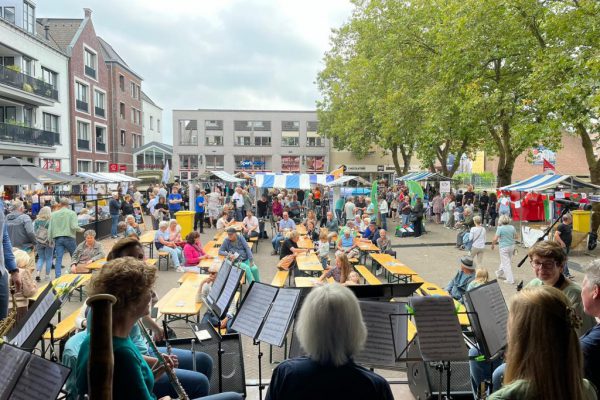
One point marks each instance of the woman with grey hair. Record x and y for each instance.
(163, 242)
(86, 252)
(328, 372)
(505, 237)
(132, 228)
(44, 247)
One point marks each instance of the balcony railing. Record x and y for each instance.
(83, 144)
(99, 111)
(91, 72)
(23, 134)
(101, 147)
(81, 105)
(27, 83)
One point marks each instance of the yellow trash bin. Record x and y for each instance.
(581, 220)
(186, 220)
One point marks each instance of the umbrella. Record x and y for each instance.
(14, 171)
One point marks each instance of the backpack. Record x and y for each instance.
(41, 233)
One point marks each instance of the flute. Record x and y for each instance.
(168, 370)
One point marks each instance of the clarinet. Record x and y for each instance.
(168, 370)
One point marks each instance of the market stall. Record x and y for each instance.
(292, 181)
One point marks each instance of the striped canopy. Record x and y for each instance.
(541, 182)
(423, 176)
(291, 181)
(106, 177)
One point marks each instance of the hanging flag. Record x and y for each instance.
(165, 177)
(548, 166)
(337, 173)
(374, 202)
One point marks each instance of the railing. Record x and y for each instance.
(99, 111)
(23, 134)
(101, 147)
(56, 138)
(27, 83)
(81, 105)
(83, 144)
(91, 72)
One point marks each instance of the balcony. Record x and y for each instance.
(99, 112)
(81, 105)
(101, 147)
(91, 72)
(23, 134)
(83, 144)
(28, 87)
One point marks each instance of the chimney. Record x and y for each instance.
(87, 12)
(46, 29)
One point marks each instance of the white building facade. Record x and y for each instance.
(34, 93)
(152, 121)
(247, 141)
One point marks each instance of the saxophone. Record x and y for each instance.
(7, 323)
(182, 395)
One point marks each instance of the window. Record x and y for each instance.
(83, 135)
(28, 17)
(290, 139)
(90, 63)
(84, 166)
(9, 60)
(151, 123)
(122, 110)
(214, 162)
(312, 141)
(252, 126)
(158, 125)
(312, 126)
(50, 164)
(137, 141)
(315, 163)
(50, 77)
(290, 126)
(99, 104)
(9, 14)
(290, 164)
(262, 141)
(242, 139)
(28, 66)
(28, 116)
(137, 117)
(214, 139)
(101, 166)
(100, 139)
(122, 83)
(123, 137)
(52, 124)
(188, 132)
(213, 125)
(188, 161)
(8, 114)
(252, 163)
(81, 103)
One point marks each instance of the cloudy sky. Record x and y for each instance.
(246, 54)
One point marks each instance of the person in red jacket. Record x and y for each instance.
(192, 251)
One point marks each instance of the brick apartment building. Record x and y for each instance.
(125, 109)
(88, 90)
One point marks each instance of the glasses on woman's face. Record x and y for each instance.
(547, 265)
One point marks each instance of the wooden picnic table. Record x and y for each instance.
(395, 270)
(207, 262)
(98, 264)
(192, 277)
(147, 240)
(366, 246)
(220, 238)
(301, 229)
(309, 263)
(65, 280)
(305, 243)
(182, 303)
(304, 281)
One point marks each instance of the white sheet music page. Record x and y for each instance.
(253, 310)
(229, 289)
(12, 362)
(33, 320)
(41, 380)
(385, 338)
(280, 316)
(439, 332)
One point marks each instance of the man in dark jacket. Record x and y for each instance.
(114, 206)
(20, 227)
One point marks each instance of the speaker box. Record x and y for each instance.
(424, 379)
(234, 377)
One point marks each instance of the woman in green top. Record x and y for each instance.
(543, 360)
(505, 237)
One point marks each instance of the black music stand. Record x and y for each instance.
(385, 291)
(265, 315)
(440, 335)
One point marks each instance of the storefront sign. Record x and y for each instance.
(122, 168)
(113, 167)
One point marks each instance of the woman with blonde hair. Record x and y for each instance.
(481, 277)
(340, 271)
(329, 371)
(174, 231)
(543, 360)
(44, 247)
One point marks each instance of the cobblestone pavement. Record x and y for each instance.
(433, 256)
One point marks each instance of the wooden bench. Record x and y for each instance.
(417, 279)
(209, 245)
(353, 260)
(163, 255)
(280, 278)
(63, 330)
(163, 300)
(367, 275)
(254, 244)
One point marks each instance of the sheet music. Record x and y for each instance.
(41, 380)
(219, 282)
(280, 316)
(489, 304)
(440, 335)
(385, 340)
(13, 362)
(254, 308)
(229, 289)
(34, 319)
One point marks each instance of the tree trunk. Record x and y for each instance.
(394, 151)
(505, 172)
(594, 168)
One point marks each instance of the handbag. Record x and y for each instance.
(286, 262)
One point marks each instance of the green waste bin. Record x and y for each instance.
(186, 220)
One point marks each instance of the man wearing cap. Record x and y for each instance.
(371, 233)
(235, 243)
(199, 217)
(458, 285)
